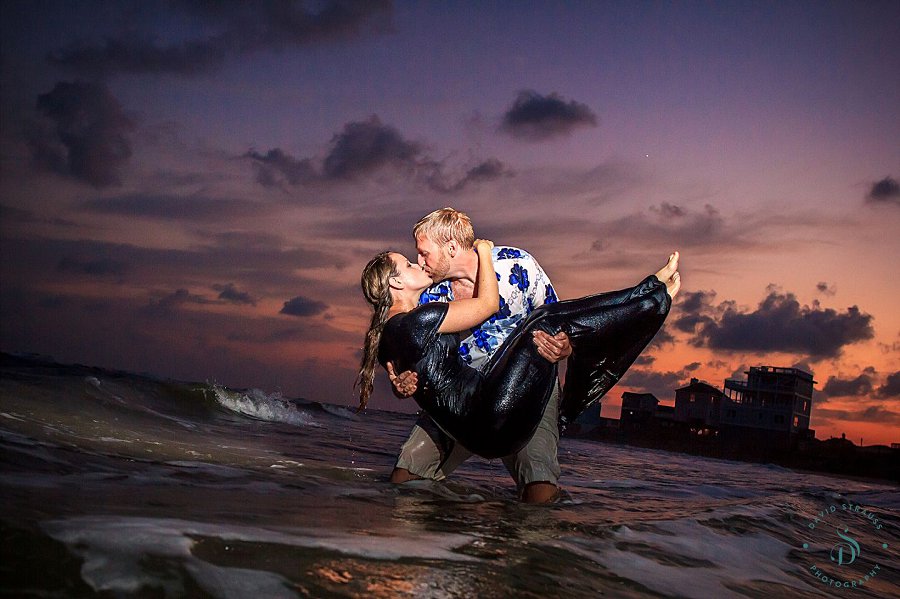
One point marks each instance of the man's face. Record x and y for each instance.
(434, 258)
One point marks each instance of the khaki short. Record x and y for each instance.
(431, 454)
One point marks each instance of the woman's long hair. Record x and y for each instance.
(375, 283)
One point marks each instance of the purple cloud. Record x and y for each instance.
(230, 294)
(363, 148)
(780, 323)
(237, 28)
(533, 117)
(301, 306)
(885, 191)
(853, 387)
(891, 387)
(84, 134)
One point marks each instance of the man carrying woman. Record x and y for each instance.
(495, 393)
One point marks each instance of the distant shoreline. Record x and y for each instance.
(836, 458)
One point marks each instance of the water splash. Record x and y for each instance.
(264, 406)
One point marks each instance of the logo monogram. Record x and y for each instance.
(839, 553)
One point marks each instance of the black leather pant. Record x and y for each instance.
(608, 331)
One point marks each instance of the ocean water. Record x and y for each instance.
(120, 485)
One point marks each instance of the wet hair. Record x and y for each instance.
(445, 224)
(376, 287)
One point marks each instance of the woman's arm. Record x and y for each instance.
(463, 314)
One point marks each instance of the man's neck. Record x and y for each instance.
(466, 269)
(463, 281)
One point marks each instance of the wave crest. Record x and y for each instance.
(263, 406)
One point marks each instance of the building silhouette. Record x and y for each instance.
(638, 409)
(771, 399)
(699, 405)
(763, 418)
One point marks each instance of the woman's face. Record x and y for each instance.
(412, 275)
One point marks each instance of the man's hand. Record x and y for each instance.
(552, 348)
(405, 383)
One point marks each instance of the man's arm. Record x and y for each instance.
(552, 348)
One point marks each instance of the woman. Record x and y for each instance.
(493, 412)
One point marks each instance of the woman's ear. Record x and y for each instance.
(395, 283)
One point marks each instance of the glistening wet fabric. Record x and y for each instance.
(494, 412)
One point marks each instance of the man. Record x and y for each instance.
(444, 241)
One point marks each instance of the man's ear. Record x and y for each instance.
(452, 248)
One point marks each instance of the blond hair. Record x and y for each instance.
(445, 224)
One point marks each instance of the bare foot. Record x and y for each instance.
(666, 272)
(673, 284)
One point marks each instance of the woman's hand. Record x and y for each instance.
(463, 314)
(484, 243)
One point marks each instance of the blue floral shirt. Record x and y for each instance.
(523, 287)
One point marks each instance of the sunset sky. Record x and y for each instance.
(191, 189)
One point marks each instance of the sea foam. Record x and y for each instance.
(264, 406)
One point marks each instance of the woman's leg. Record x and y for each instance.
(606, 340)
(607, 331)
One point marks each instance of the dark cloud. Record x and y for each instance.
(84, 133)
(853, 387)
(174, 300)
(169, 207)
(178, 340)
(365, 146)
(238, 28)
(781, 324)
(301, 306)
(533, 117)
(12, 214)
(276, 166)
(268, 269)
(689, 322)
(362, 149)
(672, 226)
(825, 288)
(691, 309)
(667, 210)
(93, 266)
(891, 387)
(875, 414)
(740, 373)
(660, 384)
(140, 55)
(805, 366)
(488, 170)
(879, 415)
(716, 364)
(887, 190)
(230, 294)
(709, 222)
(663, 337)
